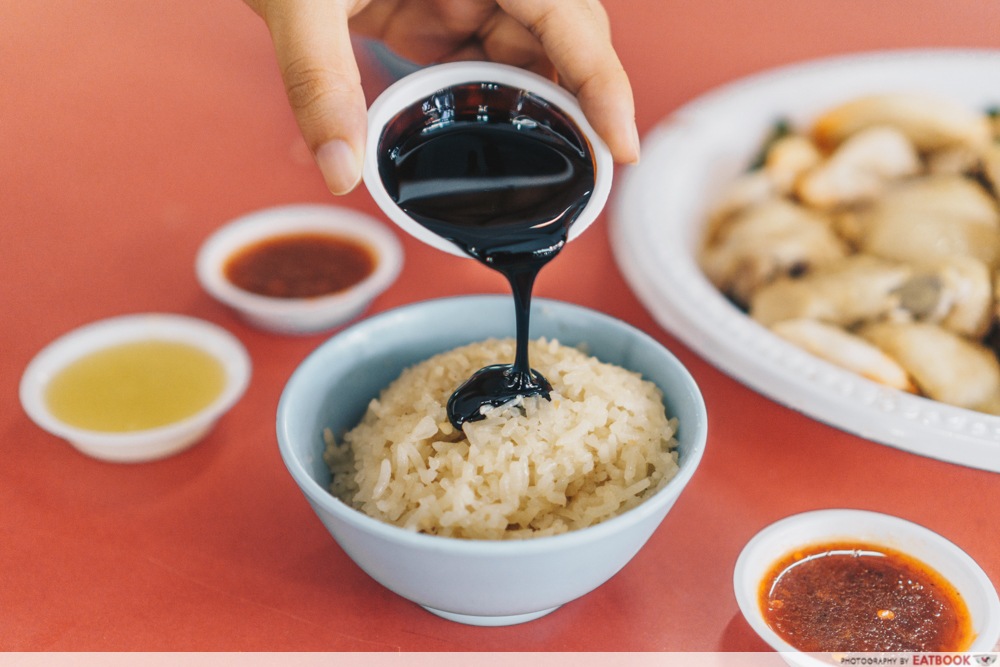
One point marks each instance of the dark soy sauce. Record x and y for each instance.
(502, 174)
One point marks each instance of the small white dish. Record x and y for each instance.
(660, 213)
(147, 444)
(801, 530)
(423, 83)
(299, 315)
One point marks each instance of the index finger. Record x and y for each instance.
(313, 48)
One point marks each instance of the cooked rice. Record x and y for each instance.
(532, 467)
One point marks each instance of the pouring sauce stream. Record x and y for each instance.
(502, 174)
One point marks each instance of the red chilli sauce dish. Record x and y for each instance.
(299, 269)
(835, 581)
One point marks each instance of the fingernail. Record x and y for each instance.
(636, 143)
(339, 165)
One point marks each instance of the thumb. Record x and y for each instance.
(313, 48)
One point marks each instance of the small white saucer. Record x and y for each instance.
(147, 444)
(307, 315)
(840, 525)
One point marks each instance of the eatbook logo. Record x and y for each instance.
(918, 659)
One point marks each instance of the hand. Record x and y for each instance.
(567, 38)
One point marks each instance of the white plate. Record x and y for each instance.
(659, 212)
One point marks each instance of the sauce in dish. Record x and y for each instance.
(300, 266)
(856, 597)
(135, 386)
(503, 175)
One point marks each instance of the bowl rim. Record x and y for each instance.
(776, 540)
(472, 547)
(290, 219)
(111, 331)
(424, 82)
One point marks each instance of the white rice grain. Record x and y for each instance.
(600, 447)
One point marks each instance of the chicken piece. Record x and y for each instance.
(951, 196)
(945, 366)
(953, 161)
(860, 168)
(852, 290)
(990, 406)
(955, 292)
(846, 350)
(788, 159)
(930, 122)
(926, 219)
(996, 294)
(764, 242)
(991, 167)
(747, 190)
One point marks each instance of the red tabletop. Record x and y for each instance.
(129, 131)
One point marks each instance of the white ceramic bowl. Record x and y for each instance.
(478, 582)
(783, 537)
(299, 316)
(148, 444)
(424, 82)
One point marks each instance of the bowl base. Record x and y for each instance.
(490, 621)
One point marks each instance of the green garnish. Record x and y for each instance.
(780, 129)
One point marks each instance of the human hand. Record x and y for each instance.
(567, 38)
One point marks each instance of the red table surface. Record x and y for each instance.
(129, 131)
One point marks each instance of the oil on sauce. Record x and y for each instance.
(503, 175)
(300, 266)
(854, 597)
(136, 385)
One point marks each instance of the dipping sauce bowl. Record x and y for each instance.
(844, 526)
(307, 245)
(136, 387)
(491, 94)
